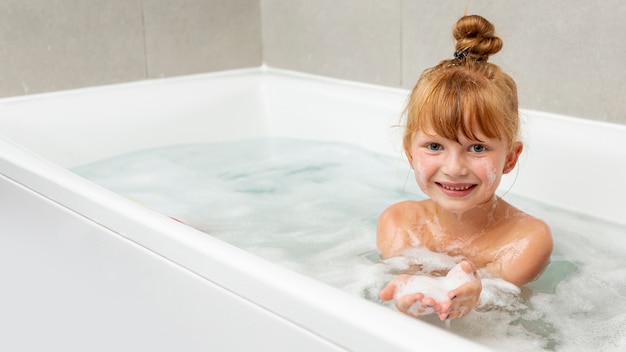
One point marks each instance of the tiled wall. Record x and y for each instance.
(353, 39)
(566, 55)
(48, 45)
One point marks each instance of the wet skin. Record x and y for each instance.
(463, 217)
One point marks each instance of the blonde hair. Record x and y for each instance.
(466, 94)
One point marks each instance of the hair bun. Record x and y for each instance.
(475, 38)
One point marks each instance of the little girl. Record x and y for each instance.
(461, 137)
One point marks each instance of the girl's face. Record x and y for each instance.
(460, 175)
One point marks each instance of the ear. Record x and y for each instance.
(513, 157)
(409, 157)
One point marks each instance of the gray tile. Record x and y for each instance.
(54, 45)
(566, 56)
(426, 36)
(355, 40)
(193, 36)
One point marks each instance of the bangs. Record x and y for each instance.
(459, 102)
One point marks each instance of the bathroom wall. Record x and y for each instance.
(566, 55)
(48, 45)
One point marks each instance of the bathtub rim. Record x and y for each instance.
(160, 220)
(349, 322)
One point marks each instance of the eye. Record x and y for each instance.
(478, 148)
(434, 146)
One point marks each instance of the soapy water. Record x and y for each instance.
(313, 207)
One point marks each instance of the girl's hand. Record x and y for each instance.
(459, 301)
(415, 304)
(462, 299)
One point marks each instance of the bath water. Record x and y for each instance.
(313, 206)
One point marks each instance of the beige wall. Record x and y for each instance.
(566, 55)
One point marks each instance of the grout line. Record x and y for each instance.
(401, 58)
(145, 44)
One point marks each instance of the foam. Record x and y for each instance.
(427, 261)
(313, 207)
(436, 288)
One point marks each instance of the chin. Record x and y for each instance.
(461, 205)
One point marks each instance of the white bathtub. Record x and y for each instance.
(85, 269)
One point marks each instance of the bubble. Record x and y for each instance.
(434, 287)
(313, 207)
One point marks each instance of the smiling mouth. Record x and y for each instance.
(456, 189)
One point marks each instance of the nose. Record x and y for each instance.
(454, 164)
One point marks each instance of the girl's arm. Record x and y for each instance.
(523, 259)
(391, 237)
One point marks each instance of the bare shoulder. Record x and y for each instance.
(535, 231)
(529, 249)
(402, 209)
(391, 232)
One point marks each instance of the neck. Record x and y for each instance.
(471, 222)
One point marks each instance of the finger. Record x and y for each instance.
(451, 316)
(461, 292)
(445, 316)
(388, 292)
(445, 307)
(467, 266)
(453, 295)
(429, 301)
(456, 313)
(451, 313)
(405, 302)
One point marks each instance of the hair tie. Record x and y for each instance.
(460, 55)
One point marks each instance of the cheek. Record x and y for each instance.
(421, 171)
(490, 172)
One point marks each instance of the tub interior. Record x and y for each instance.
(571, 163)
(568, 163)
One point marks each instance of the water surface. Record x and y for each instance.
(313, 207)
